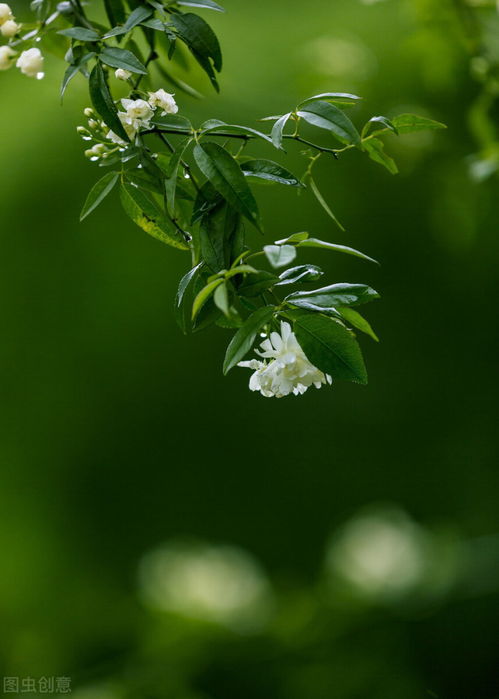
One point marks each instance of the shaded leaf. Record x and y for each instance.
(243, 340)
(323, 202)
(103, 102)
(203, 296)
(183, 286)
(205, 4)
(379, 122)
(269, 171)
(408, 123)
(122, 58)
(315, 243)
(80, 34)
(98, 193)
(278, 128)
(255, 284)
(335, 97)
(202, 42)
(331, 347)
(302, 273)
(334, 295)
(327, 116)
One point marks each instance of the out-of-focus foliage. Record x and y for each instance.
(368, 546)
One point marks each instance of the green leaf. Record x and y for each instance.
(293, 238)
(331, 347)
(203, 296)
(80, 34)
(225, 174)
(342, 294)
(221, 299)
(345, 98)
(216, 234)
(255, 284)
(379, 122)
(243, 340)
(183, 286)
(279, 255)
(98, 193)
(115, 11)
(171, 172)
(202, 42)
(323, 202)
(73, 69)
(146, 213)
(135, 18)
(205, 4)
(214, 125)
(315, 243)
(269, 171)
(122, 58)
(354, 318)
(376, 151)
(175, 122)
(103, 102)
(327, 116)
(278, 128)
(408, 123)
(302, 273)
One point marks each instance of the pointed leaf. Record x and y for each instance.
(327, 116)
(280, 255)
(225, 174)
(323, 202)
(302, 273)
(354, 318)
(375, 149)
(122, 58)
(408, 123)
(205, 4)
(345, 98)
(315, 243)
(334, 295)
(98, 193)
(243, 340)
(269, 171)
(103, 102)
(277, 130)
(331, 347)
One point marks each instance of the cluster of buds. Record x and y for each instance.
(8, 25)
(95, 131)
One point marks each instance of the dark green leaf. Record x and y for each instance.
(73, 69)
(225, 174)
(184, 284)
(97, 194)
(342, 294)
(135, 18)
(315, 243)
(103, 102)
(354, 318)
(122, 58)
(302, 273)
(202, 42)
(174, 122)
(269, 171)
(216, 233)
(327, 116)
(375, 148)
(255, 284)
(243, 340)
(279, 255)
(408, 123)
(331, 347)
(323, 202)
(80, 34)
(115, 11)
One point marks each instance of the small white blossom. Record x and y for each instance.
(137, 113)
(30, 63)
(288, 370)
(122, 74)
(164, 100)
(9, 28)
(6, 56)
(5, 12)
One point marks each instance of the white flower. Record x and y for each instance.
(30, 63)
(137, 113)
(5, 12)
(164, 100)
(9, 28)
(6, 55)
(122, 74)
(288, 371)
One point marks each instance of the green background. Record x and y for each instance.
(118, 433)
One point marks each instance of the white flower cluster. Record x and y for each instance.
(138, 113)
(288, 369)
(96, 131)
(30, 62)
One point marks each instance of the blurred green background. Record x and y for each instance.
(166, 533)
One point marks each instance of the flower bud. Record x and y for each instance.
(30, 63)
(82, 130)
(122, 74)
(6, 55)
(9, 28)
(92, 124)
(5, 13)
(88, 112)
